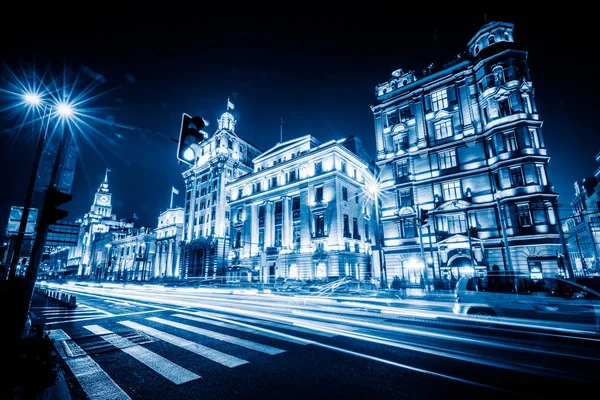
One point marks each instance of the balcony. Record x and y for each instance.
(272, 250)
(319, 235)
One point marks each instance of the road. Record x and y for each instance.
(149, 342)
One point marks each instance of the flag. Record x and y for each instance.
(230, 105)
(174, 191)
(135, 216)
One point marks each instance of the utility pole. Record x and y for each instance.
(431, 251)
(508, 259)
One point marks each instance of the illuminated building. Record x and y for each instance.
(222, 158)
(98, 220)
(583, 226)
(465, 143)
(61, 241)
(169, 234)
(127, 257)
(303, 212)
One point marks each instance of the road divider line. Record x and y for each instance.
(106, 316)
(203, 351)
(93, 380)
(263, 348)
(252, 330)
(169, 370)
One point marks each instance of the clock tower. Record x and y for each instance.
(102, 199)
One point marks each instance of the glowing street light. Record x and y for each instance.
(65, 110)
(32, 99)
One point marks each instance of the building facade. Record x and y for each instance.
(223, 158)
(99, 219)
(582, 228)
(128, 257)
(303, 213)
(169, 235)
(61, 241)
(464, 143)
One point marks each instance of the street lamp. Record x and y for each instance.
(374, 189)
(31, 100)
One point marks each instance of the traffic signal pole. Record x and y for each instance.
(50, 213)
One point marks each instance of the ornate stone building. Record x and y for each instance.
(303, 212)
(224, 158)
(464, 142)
(99, 219)
(169, 234)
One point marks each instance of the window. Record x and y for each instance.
(319, 225)
(296, 237)
(496, 180)
(524, 214)
(227, 215)
(240, 193)
(345, 194)
(452, 224)
(239, 214)
(274, 182)
(443, 129)
(405, 113)
(347, 246)
(491, 40)
(392, 118)
(498, 75)
(367, 237)
(516, 177)
(278, 211)
(278, 236)
(407, 228)
(439, 100)
(292, 175)
(405, 196)
(355, 233)
(318, 168)
(238, 239)
(476, 49)
(344, 166)
(534, 138)
(505, 35)
(510, 142)
(491, 149)
(451, 190)
(229, 144)
(319, 194)
(261, 238)
(257, 187)
(346, 226)
(296, 207)
(261, 216)
(447, 159)
(486, 117)
(541, 173)
(504, 108)
(401, 143)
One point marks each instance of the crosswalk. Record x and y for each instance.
(59, 315)
(179, 330)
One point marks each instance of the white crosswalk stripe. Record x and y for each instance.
(203, 351)
(93, 380)
(262, 332)
(263, 348)
(173, 372)
(60, 315)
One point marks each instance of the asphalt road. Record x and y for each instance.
(144, 342)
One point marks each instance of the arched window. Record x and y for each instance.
(498, 72)
(476, 50)
(491, 40)
(505, 35)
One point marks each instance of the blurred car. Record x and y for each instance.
(518, 296)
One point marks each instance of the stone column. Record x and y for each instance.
(169, 264)
(269, 225)
(286, 226)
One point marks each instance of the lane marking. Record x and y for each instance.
(263, 348)
(203, 351)
(106, 316)
(93, 380)
(255, 331)
(171, 371)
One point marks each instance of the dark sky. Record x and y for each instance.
(318, 73)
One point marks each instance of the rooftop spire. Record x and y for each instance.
(106, 175)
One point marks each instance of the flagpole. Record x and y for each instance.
(281, 132)
(171, 198)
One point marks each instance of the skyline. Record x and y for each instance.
(320, 83)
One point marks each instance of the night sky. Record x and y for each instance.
(317, 73)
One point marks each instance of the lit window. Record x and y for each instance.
(504, 108)
(406, 113)
(447, 159)
(439, 100)
(510, 142)
(443, 129)
(451, 190)
(403, 168)
(392, 118)
(491, 40)
(541, 173)
(453, 224)
(524, 214)
(534, 138)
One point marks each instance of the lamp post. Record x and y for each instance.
(374, 189)
(32, 100)
(106, 262)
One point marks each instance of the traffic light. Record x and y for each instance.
(50, 211)
(473, 232)
(189, 136)
(423, 217)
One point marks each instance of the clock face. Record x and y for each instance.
(103, 199)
